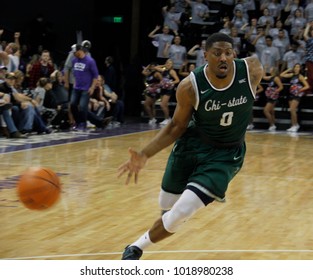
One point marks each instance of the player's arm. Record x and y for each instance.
(166, 136)
(178, 125)
(255, 70)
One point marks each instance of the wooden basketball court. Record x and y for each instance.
(268, 213)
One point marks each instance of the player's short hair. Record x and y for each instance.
(218, 37)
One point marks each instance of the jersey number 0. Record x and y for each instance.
(227, 119)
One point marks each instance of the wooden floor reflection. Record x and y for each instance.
(268, 213)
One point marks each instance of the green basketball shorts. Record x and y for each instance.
(203, 166)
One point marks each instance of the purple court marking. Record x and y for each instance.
(44, 140)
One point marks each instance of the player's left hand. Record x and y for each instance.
(136, 162)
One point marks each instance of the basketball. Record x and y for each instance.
(38, 188)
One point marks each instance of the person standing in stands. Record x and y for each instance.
(152, 80)
(86, 74)
(112, 81)
(177, 53)
(199, 14)
(110, 74)
(69, 77)
(10, 56)
(198, 52)
(41, 69)
(308, 38)
(298, 87)
(68, 66)
(273, 88)
(169, 81)
(160, 40)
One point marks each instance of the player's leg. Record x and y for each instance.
(185, 207)
(167, 200)
(179, 166)
(173, 184)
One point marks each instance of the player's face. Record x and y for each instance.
(220, 59)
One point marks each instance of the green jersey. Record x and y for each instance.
(222, 115)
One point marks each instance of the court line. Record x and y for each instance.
(71, 141)
(163, 252)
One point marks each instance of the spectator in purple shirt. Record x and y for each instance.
(86, 73)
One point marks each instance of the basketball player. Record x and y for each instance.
(214, 105)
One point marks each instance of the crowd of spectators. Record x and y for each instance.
(37, 95)
(278, 32)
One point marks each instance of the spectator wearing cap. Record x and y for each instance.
(86, 74)
(68, 66)
(86, 44)
(68, 73)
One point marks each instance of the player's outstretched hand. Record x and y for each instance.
(136, 162)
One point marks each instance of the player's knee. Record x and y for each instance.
(167, 200)
(175, 218)
(183, 209)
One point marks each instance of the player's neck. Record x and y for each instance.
(221, 82)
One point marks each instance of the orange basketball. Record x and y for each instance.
(38, 188)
